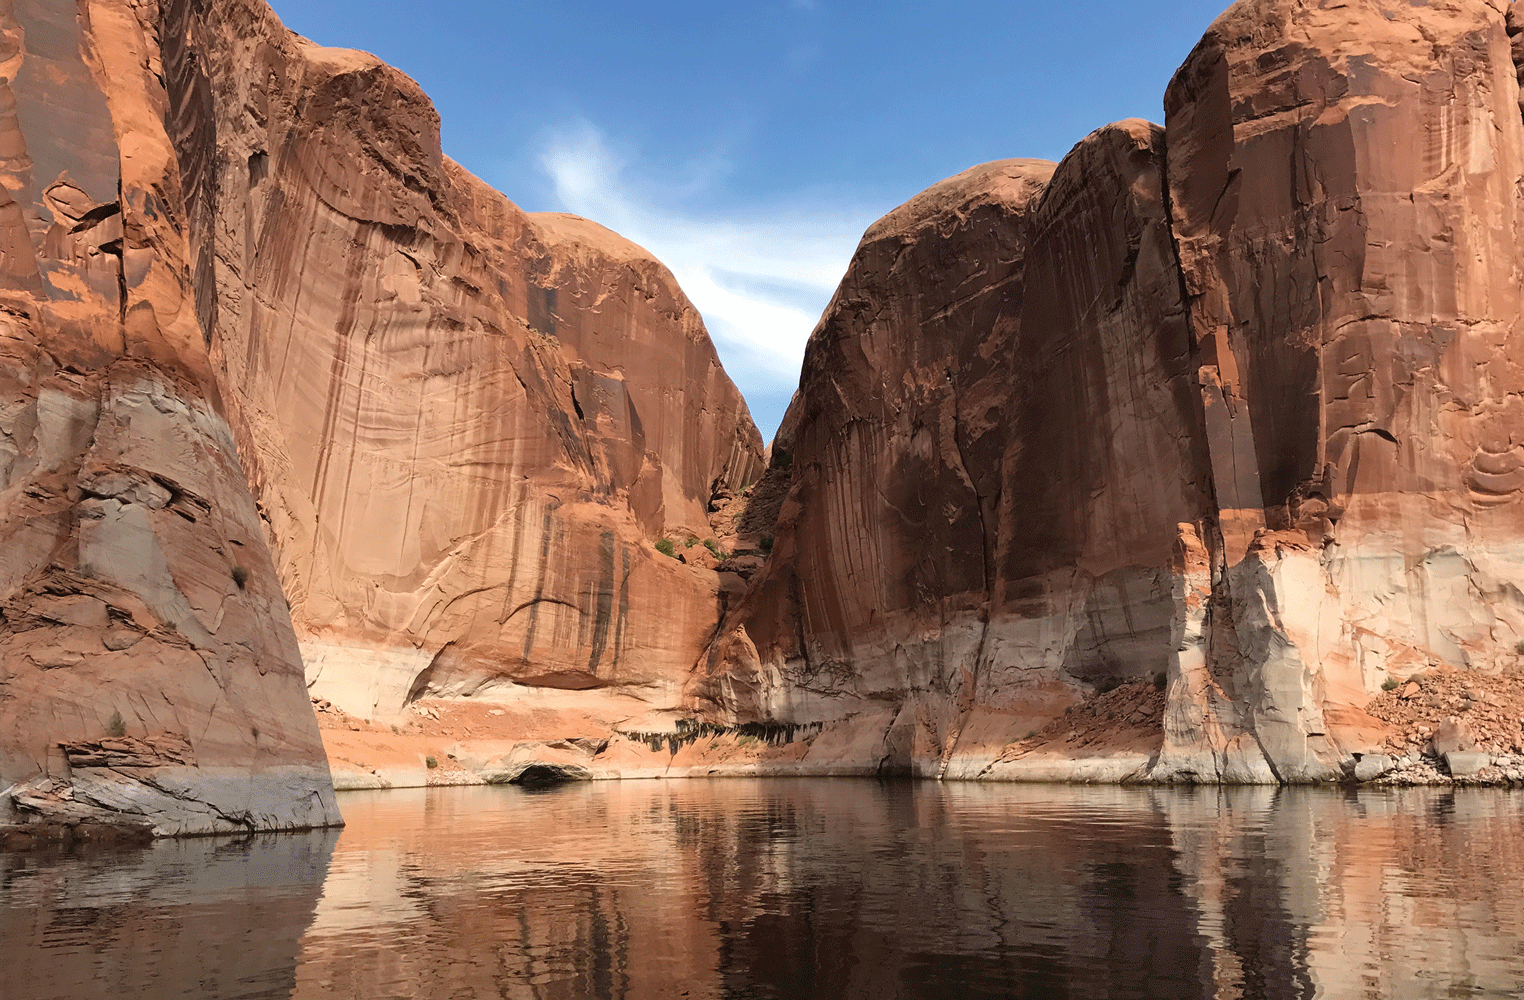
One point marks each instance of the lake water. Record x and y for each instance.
(796, 889)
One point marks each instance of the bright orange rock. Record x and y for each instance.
(138, 599)
(467, 426)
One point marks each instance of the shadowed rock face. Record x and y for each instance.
(465, 425)
(1234, 402)
(137, 597)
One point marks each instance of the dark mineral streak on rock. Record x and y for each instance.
(1230, 404)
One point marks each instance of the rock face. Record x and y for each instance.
(140, 612)
(1233, 403)
(249, 309)
(465, 425)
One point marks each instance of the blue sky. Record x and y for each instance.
(748, 144)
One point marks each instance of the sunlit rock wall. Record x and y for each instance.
(1345, 192)
(149, 674)
(465, 426)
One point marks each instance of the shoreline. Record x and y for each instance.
(469, 746)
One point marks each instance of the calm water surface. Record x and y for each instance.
(792, 889)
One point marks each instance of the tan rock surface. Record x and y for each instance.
(466, 426)
(1245, 422)
(1345, 192)
(1229, 407)
(139, 607)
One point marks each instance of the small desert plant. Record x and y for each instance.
(691, 542)
(116, 727)
(1390, 684)
(1109, 685)
(395, 730)
(713, 547)
(767, 544)
(254, 732)
(1161, 681)
(1519, 648)
(666, 548)
(431, 762)
(1030, 734)
(240, 576)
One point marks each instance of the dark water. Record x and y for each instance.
(810, 888)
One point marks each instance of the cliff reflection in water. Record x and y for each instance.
(809, 888)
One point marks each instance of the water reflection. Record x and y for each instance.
(194, 918)
(809, 888)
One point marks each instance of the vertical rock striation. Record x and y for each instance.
(248, 309)
(1345, 193)
(1232, 404)
(465, 425)
(149, 675)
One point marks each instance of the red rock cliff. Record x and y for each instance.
(459, 428)
(466, 426)
(149, 675)
(1233, 403)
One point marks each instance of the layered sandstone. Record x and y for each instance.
(149, 675)
(465, 425)
(250, 309)
(1201, 435)
(1231, 404)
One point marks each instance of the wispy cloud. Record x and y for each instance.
(759, 274)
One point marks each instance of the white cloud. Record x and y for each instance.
(759, 275)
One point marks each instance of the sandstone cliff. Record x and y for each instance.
(466, 426)
(1157, 463)
(149, 675)
(1231, 404)
(250, 310)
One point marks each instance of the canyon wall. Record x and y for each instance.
(1231, 406)
(465, 425)
(1228, 408)
(282, 383)
(149, 675)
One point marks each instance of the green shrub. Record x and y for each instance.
(1161, 681)
(767, 544)
(116, 727)
(665, 547)
(431, 762)
(691, 542)
(1109, 685)
(1519, 648)
(713, 547)
(1390, 684)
